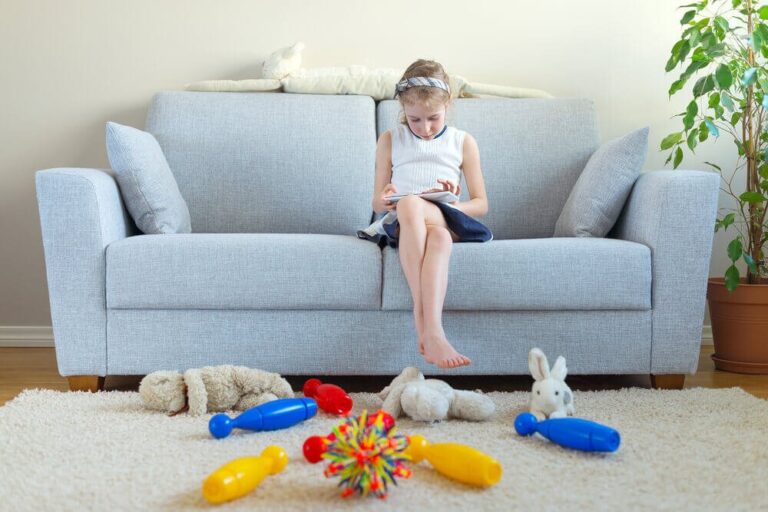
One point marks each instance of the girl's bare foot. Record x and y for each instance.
(439, 351)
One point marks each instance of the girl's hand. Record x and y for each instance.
(447, 186)
(389, 190)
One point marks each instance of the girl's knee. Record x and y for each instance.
(410, 208)
(439, 236)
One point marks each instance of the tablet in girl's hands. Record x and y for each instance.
(440, 197)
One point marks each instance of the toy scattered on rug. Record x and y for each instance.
(575, 433)
(433, 400)
(282, 71)
(367, 456)
(239, 477)
(211, 389)
(551, 397)
(315, 446)
(330, 397)
(456, 461)
(274, 415)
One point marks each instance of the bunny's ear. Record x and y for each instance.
(392, 402)
(538, 364)
(559, 371)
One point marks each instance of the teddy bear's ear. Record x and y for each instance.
(196, 392)
(163, 391)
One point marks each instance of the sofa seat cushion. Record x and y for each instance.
(243, 271)
(536, 274)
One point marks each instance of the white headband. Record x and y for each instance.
(420, 81)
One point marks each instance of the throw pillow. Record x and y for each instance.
(146, 182)
(604, 185)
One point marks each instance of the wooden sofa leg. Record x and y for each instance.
(90, 383)
(673, 381)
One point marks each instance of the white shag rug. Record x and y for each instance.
(697, 449)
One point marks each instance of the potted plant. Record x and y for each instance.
(724, 44)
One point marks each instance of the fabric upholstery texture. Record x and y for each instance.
(244, 271)
(541, 274)
(146, 182)
(600, 192)
(334, 342)
(268, 163)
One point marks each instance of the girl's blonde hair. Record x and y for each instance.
(419, 94)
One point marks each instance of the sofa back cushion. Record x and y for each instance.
(269, 162)
(531, 152)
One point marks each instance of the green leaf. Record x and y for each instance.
(691, 141)
(756, 41)
(714, 99)
(712, 128)
(723, 76)
(752, 197)
(749, 77)
(671, 63)
(763, 12)
(735, 118)
(671, 139)
(726, 100)
(735, 249)
(736, 3)
(718, 168)
(676, 86)
(728, 220)
(688, 16)
(703, 85)
(703, 132)
(708, 40)
(722, 23)
(678, 157)
(763, 171)
(731, 278)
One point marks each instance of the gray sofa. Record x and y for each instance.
(273, 276)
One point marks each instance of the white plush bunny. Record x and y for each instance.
(551, 397)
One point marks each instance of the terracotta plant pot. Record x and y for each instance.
(739, 326)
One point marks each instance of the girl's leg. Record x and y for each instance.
(434, 283)
(411, 245)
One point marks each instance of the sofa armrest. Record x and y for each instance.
(81, 213)
(673, 213)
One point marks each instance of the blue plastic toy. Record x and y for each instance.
(573, 433)
(274, 415)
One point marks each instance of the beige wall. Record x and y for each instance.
(67, 66)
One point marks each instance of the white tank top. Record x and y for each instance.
(417, 164)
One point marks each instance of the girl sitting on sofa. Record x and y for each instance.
(423, 154)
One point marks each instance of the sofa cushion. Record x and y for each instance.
(602, 189)
(269, 163)
(147, 185)
(243, 271)
(536, 274)
(531, 152)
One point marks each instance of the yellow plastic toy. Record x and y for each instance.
(240, 476)
(456, 461)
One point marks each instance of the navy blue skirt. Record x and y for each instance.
(385, 230)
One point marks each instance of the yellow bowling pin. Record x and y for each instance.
(456, 461)
(240, 476)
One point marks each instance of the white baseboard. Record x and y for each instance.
(42, 336)
(26, 336)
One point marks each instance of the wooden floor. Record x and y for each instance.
(22, 368)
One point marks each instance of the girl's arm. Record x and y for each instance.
(382, 185)
(477, 206)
